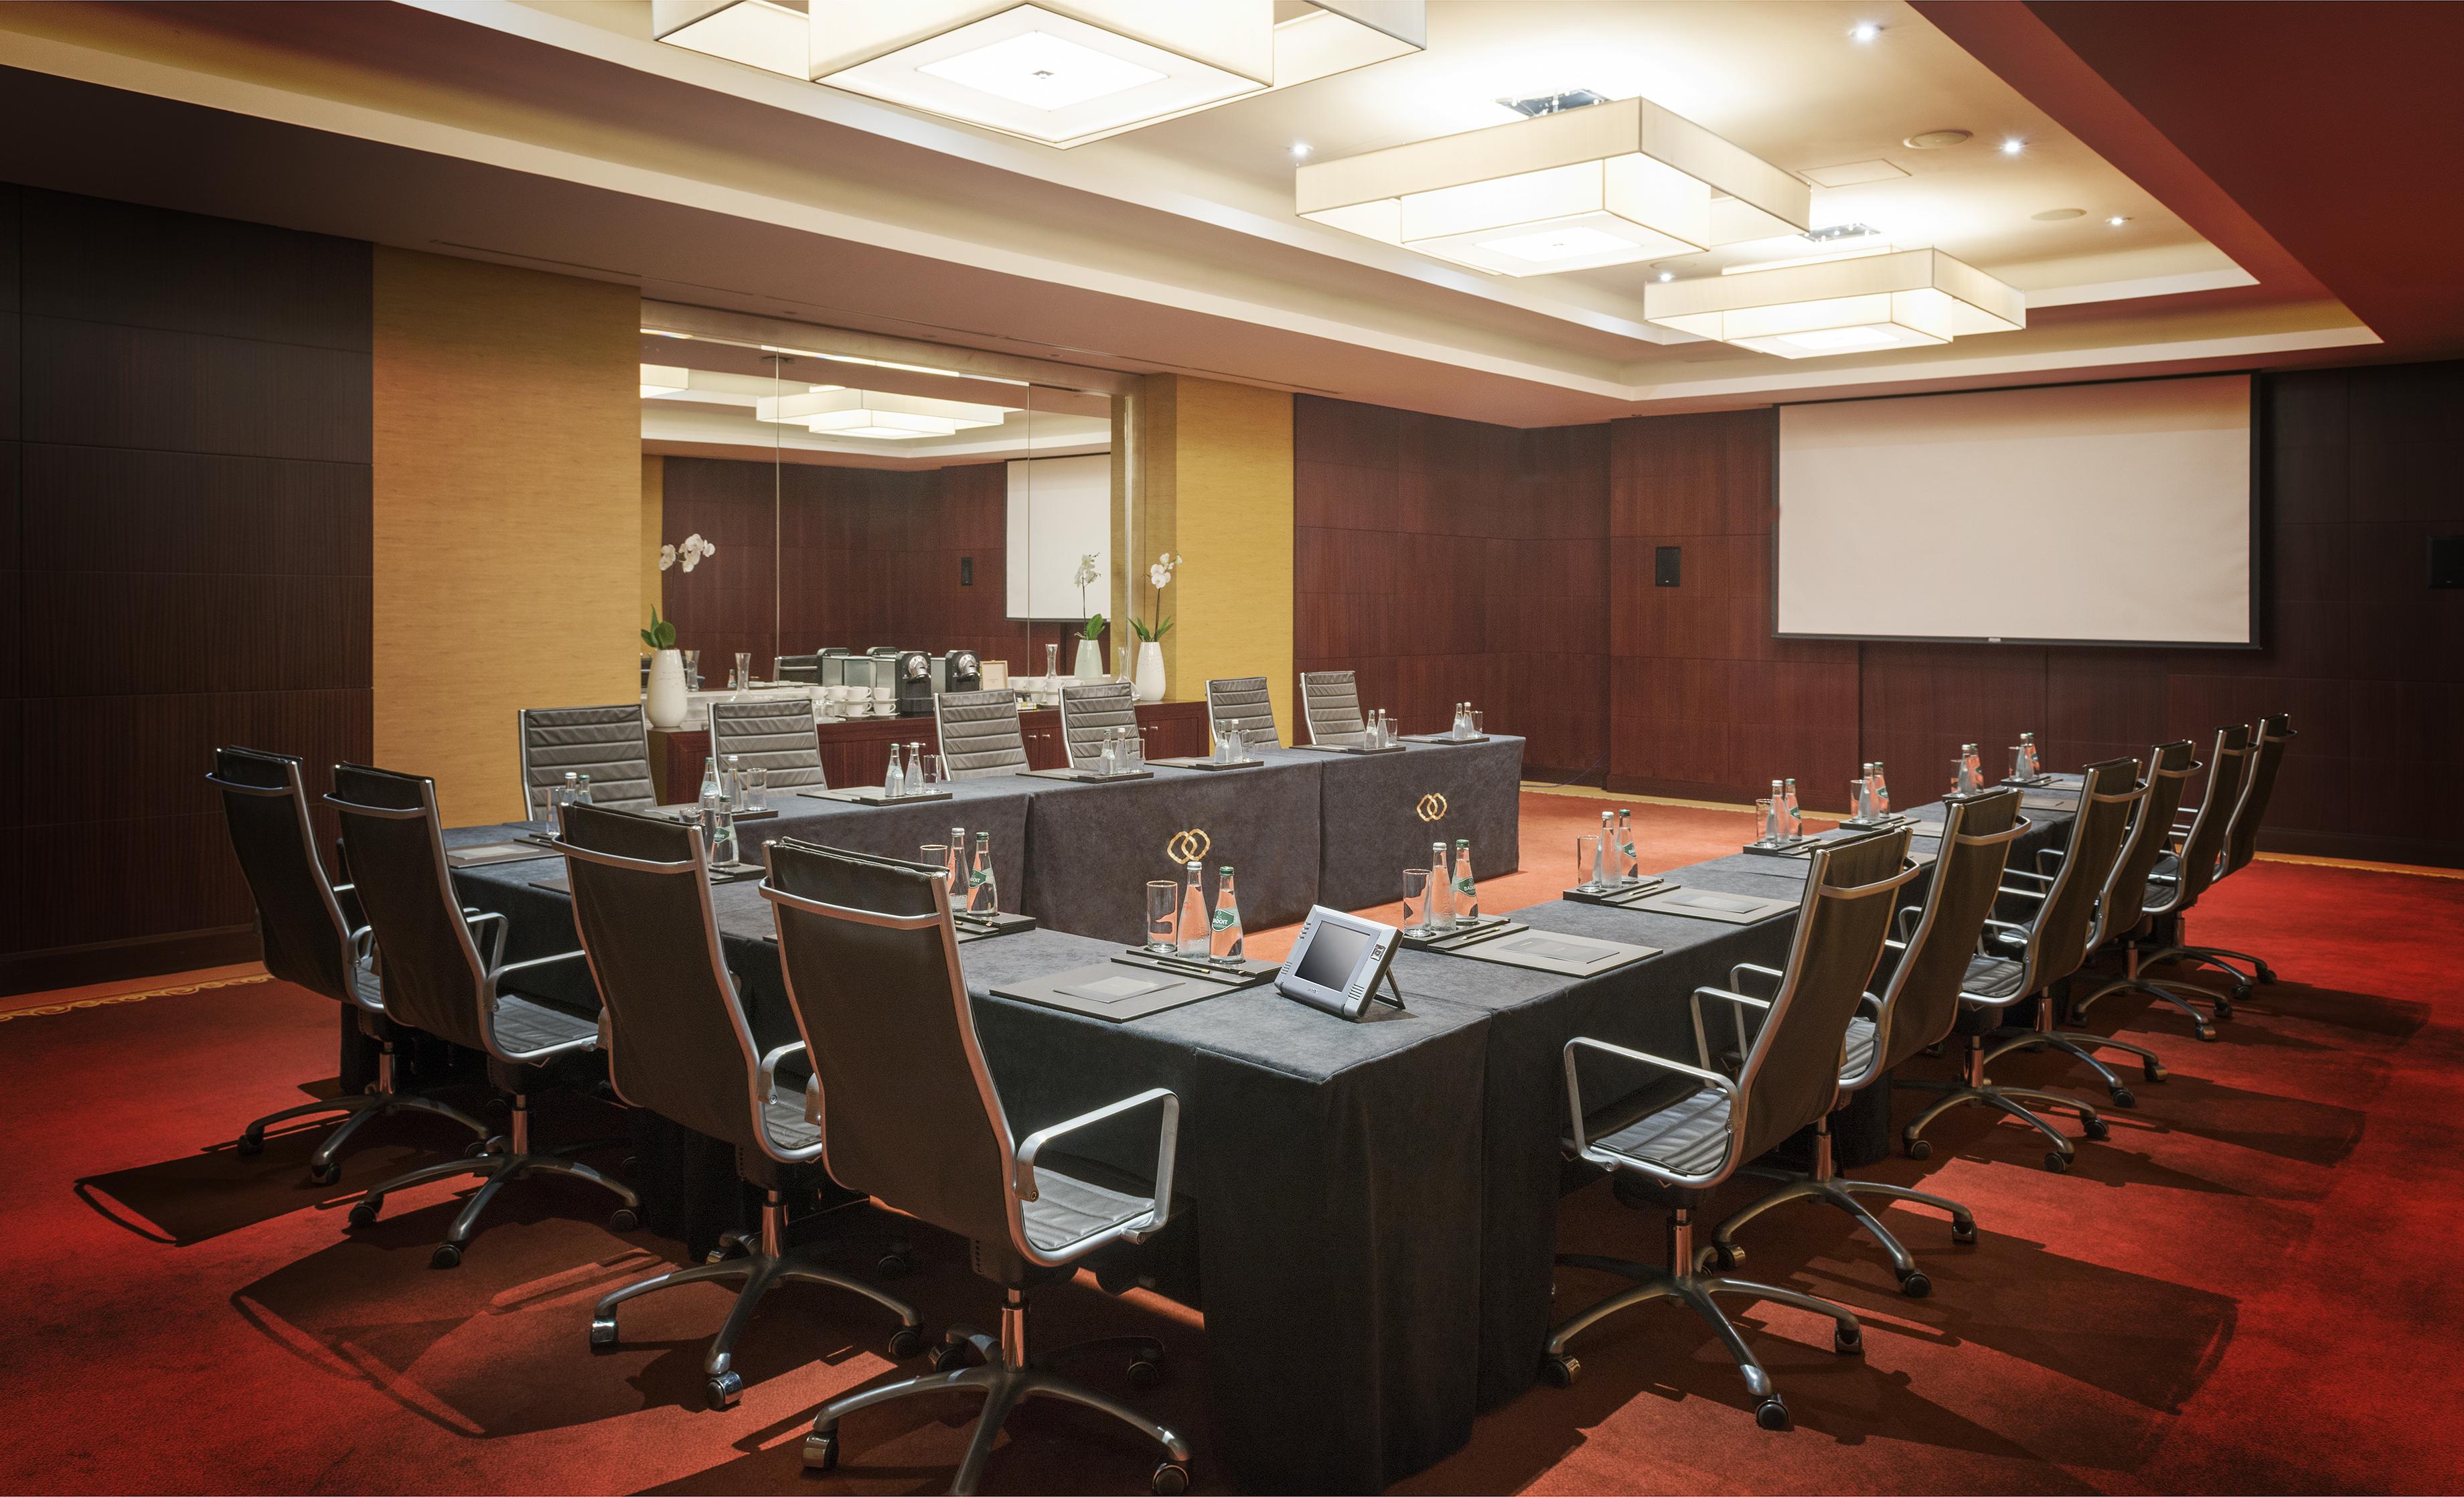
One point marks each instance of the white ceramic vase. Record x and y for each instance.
(1091, 661)
(667, 703)
(1150, 676)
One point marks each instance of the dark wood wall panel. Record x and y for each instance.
(1451, 560)
(186, 498)
(813, 556)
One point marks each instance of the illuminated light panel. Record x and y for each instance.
(1066, 72)
(759, 34)
(664, 379)
(1910, 298)
(1605, 185)
(829, 411)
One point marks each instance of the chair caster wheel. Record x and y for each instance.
(2266, 973)
(2153, 1071)
(905, 1342)
(821, 1452)
(1915, 1285)
(247, 1146)
(1773, 1415)
(2123, 1096)
(1170, 1480)
(477, 1149)
(602, 1334)
(1964, 1232)
(2207, 1033)
(445, 1256)
(722, 1391)
(2097, 1128)
(1914, 1149)
(896, 1264)
(365, 1213)
(949, 1357)
(1725, 1256)
(2055, 1161)
(625, 1219)
(2224, 1006)
(1560, 1371)
(1850, 1340)
(1146, 1374)
(324, 1173)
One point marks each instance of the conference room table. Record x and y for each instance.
(1372, 1215)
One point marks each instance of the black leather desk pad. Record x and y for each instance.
(1208, 764)
(1623, 897)
(719, 874)
(1702, 904)
(1089, 776)
(2049, 801)
(1546, 951)
(1115, 991)
(871, 795)
(1443, 740)
(488, 852)
(1347, 748)
(689, 814)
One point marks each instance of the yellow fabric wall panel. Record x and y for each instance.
(508, 525)
(655, 506)
(1224, 455)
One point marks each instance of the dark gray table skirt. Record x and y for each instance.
(1090, 849)
(1378, 813)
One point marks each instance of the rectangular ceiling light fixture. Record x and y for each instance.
(831, 411)
(1573, 190)
(1911, 299)
(665, 379)
(770, 34)
(1067, 72)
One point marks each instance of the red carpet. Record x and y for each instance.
(2248, 1288)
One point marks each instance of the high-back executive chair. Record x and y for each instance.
(2118, 913)
(1789, 1077)
(1092, 711)
(437, 980)
(1242, 702)
(1330, 707)
(680, 1044)
(774, 734)
(910, 1116)
(2268, 740)
(1918, 1006)
(2179, 878)
(979, 733)
(2018, 960)
(309, 941)
(610, 744)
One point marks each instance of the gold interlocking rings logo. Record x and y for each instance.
(1188, 847)
(1432, 808)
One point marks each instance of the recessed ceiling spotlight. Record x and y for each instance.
(1300, 150)
(2055, 215)
(1936, 139)
(2117, 220)
(2012, 145)
(1667, 275)
(1863, 30)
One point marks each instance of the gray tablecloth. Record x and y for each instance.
(1090, 849)
(1378, 813)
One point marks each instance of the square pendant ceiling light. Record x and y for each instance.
(831, 411)
(759, 34)
(1910, 298)
(1604, 185)
(1067, 72)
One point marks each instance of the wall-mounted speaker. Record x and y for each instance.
(1667, 564)
(2447, 561)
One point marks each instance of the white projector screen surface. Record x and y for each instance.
(1060, 509)
(2105, 514)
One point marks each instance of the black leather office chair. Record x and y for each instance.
(2119, 908)
(435, 980)
(1917, 1009)
(1241, 702)
(910, 1115)
(1330, 707)
(1789, 1076)
(2178, 879)
(2020, 960)
(771, 734)
(310, 941)
(2268, 740)
(678, 1043)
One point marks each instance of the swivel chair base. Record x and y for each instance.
(1824, 1184)
(1006, 1378)
(358, 1112)
(767, 1262)
(2081, 1046)
(514, 1162)
(1683, 1282)
(1973, 1087)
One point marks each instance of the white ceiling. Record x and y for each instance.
(557, 133)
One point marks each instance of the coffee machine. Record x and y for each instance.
(962, 671)
(913, 673)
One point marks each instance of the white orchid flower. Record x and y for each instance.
(1157, 575)
(1086, 574)
(667, 558)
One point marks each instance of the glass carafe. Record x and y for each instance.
(984, 894)
(893, 783)
(1629, 857)
(1224, 931)
(1795, 822)
(915, 769)
(1441, 889)
(1196, 929)
(1467, 892)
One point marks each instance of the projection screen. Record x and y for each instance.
(2098, 513)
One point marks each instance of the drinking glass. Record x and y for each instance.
(1767, 818)
(937, 853)
(755, 787)
(933, 772)
(2020, 762)
(1416, 901)
(1163, 902)
(1587, 862)
(1479, 724)
(1959, 776)
(693, 670)
(743, 676)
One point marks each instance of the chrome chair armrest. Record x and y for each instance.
(2005, 925)
(2056, 854)
(2024, 894)
(770, 1066)
(2020, 873)
(497, 929)
(1575, 1086)
(1167, 1146)
(1737, 1013)
(497, 975)
(1900, 919)
(1774, 973)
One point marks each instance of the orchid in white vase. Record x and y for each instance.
(1158, 577)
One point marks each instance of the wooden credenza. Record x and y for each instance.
(857, 753)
